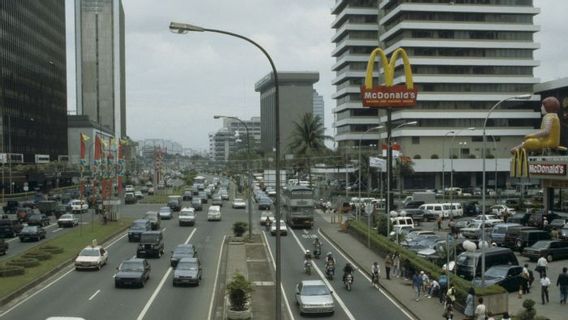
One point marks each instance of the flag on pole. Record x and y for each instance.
(377, 162)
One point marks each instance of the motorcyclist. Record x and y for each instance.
(375, 270)
(348, 269)
(329, 258)
(317, 245)
(307, 255)
(267, 223)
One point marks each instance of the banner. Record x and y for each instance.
(376, 162)
(83, 138)
(389, 95)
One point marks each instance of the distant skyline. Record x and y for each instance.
(176, 83)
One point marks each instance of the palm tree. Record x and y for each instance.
(308, 138)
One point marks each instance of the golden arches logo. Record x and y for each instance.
(520, 164)
(389, 95)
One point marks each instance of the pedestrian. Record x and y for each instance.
(544, 223)
(554, 235)
(480, 310)
(506, 316)
(541, 265)
(439, 222)
(452, 226)
(396, 265)
(525, 275)
(469, 302)
(434, 288)
(425, 282)
(448, 311)
(388, 265)
(451, 295)
(562, 282)
(544, 284)
(443, 281)
(417, 284)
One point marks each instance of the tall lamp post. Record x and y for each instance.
(444, 163)
(452, 170)
(483, 186)
(360, 167)
(389, 170)
(249, 183)
(184, 28)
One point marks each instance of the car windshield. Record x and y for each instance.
(239, 200)
(131, 266)
(90, 252)
(540, 245)
(186, 214)
(30, 229)
(151, 216)
(183, 250)
(139, 225)
(317, 290)
(187, 266)
(496, 272)
(165, 209)
(66, 216)
(149, 237)
(475, 225)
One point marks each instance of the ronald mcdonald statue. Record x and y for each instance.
(548, 137)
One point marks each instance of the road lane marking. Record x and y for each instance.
(53, 282)
(387, 295)
(160, 285)
(57, 230)
(51, 225)
(322, 276)
(216, 278)
(11, 240)
(281, 286)
(94, 294)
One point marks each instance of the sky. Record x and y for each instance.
(176, 83)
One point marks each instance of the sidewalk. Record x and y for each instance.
(397, 288)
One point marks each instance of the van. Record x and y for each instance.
(468, 264)
(433, 210)
(154, 219)
(214, 213)
(402, 221)
(499, 230)
(174, 202)
(529, 237)
(454, 209)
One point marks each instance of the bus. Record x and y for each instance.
(298, 206)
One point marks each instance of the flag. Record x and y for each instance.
(83, 138)
(377, 162)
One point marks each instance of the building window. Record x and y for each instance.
(415, 140)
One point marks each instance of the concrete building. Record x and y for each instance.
(466, 56)
(147, 147)
(99, 32)
(557, 88)
(232, 138)
(319, 107)
(33, 82)
(296, 99)
(78, 124)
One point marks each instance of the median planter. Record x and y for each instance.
(24, 262)
(11, 271)
(238, 296)
(41, 256)
(51, 249)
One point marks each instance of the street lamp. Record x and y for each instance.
(249, 183)
(495, 156)
(389, 170)
(361, 138)
(182, 28)
(444, 163)
(452, 170)
(483, 186)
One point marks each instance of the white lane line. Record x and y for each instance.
(160, 285)
(11, 240)
(94, 294)
(51, 225)
(53, 282)
(216, 278)
(57, 230)
(164, 229)
(366, 277)
(337, 297)
(281, 286)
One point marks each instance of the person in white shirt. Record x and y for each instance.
(541, 265)
(544, 284)
(434, 288)
(480, 310)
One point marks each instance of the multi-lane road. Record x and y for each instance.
(91, 294)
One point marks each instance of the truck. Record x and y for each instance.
(426, 196)
(270, 178)
(11, 206)
(47, 207)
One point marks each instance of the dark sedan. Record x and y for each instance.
(32, 233)
(188, 271)
(551, 249)
(132, 272)
(507, 276)
(264, 204)
(38, 219)
(182, 251)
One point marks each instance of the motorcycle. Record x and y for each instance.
(375, 279)
(308, 267)
(317, 252)
(329, 271)
(348, 281)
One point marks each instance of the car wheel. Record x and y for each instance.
(549, 258)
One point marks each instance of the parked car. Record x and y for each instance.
(188, 271)
(521, 218)
(500, 209)
(556, 223)
(151, 245)
(499, 231)
(239, 203)
(186, 217)
(10, 228)
(38, 219)
(313, 297)
(165, 213)
(512, 235)
(132, 272)
(280, 226)
(32, 233)
(471, 208)
(507, 276)
(474, 230)
(137, 228)
(91, 257)
(551, 249)
(468, 264)
(68, 220)
(214, 213)
(130, 198)
(182, 251)
(528, 237)
(154, 218)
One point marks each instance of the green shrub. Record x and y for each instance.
(239, 228)
(24, 262)
(40, 255)
(11, 271)
(529, 313)
(51, 249)
(239, 290)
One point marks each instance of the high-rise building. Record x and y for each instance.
(466, 56)
(232, 138)
(296, 99)
(319, 110)
(33, 80)
(99, 27)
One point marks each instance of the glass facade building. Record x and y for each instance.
(33, 79)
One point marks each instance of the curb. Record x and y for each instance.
(4, 300)
(368, 273)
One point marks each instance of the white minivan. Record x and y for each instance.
(214, 213)
(402, 221)
(434, 210)
(454, 210)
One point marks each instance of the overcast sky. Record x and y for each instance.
(176, 83)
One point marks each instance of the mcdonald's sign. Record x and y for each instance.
(388, 95)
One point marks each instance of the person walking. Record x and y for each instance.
(541, 265)
(480, 310)
(439, 222)
(525, 275)
(544, 284)
(396, 265)
(425, 282)
(562, 282)
(417, 284)
(469, 304)
(388, 265)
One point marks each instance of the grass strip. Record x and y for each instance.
(71, 243)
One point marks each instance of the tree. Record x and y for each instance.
(308, 138)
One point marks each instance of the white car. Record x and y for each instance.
(92, 257)
(499, 209)
(68, 220)
(313, 296)
(186, 216)
(283, 229)
(214, 213)
(165, 213)
(129, 188)
(239, 204)
(78, 206)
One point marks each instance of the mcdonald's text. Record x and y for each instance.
(547, 169)
(384, 96)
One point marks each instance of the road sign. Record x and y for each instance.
(369, 208)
